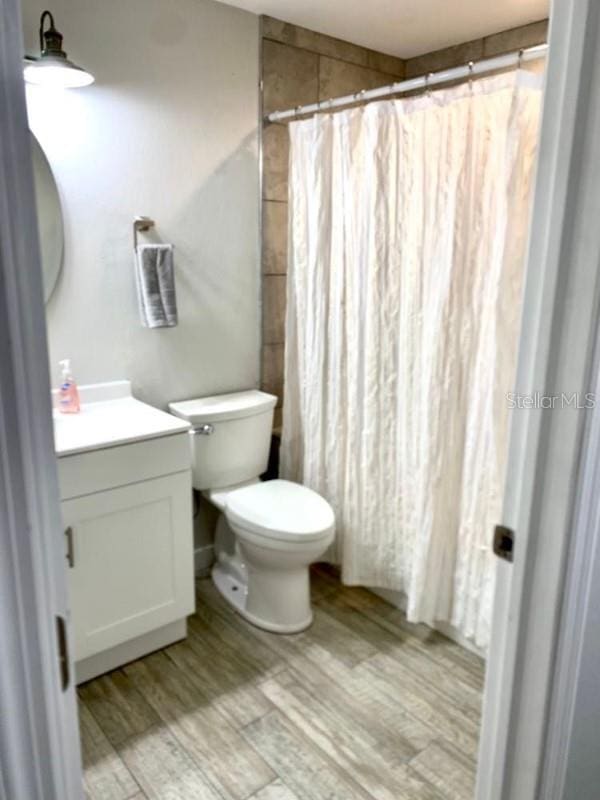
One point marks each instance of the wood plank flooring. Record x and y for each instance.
(362, 706)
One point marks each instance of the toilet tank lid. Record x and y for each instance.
(223, 406)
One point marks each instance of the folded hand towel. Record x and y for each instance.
(156, 285)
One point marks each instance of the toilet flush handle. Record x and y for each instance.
(204, 430)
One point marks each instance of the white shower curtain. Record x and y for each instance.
(408, 226)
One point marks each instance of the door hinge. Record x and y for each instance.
(63, 653)
(504, 542)
(70, 550)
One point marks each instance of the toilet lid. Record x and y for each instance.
(280, 510)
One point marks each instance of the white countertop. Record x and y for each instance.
(110, 416)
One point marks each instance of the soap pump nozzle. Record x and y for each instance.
(65, 366)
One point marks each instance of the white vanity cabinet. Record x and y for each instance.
(126, 507)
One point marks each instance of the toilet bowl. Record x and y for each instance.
(279, 528)
(269, 532)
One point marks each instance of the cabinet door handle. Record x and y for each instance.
(70, 548)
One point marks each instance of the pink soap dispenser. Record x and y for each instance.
(68, 394)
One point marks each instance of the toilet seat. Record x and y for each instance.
(280, 510)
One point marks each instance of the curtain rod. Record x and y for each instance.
(421, 82)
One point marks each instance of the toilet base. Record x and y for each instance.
(235, 592)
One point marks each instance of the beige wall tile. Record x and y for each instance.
(272, 370)
(306, 39)
(503, 42)
(444, 59)
(290, 76)
(337, 78)
(274, 238)
(293, 35)
(278, 420)
(273, 311)
(280, 31)
(516, 38)
(385, 63)
(276, 147)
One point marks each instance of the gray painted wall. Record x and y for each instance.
(168, 130)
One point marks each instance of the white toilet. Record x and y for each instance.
(269, 532)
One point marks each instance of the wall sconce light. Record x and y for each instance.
(52, 67)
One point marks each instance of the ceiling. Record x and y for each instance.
(403, 28)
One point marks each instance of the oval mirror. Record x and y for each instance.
(49, 214)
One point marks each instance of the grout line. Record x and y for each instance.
(275, 781)
(342, 60)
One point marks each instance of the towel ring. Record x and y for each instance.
(141, 224)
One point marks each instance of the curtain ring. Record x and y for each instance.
(427, 87)
(470, 65)
(520, 59)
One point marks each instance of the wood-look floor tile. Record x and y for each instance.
(227, 759)
(117, 706)
(275, 791)
(424, 704)
(164, 769)
(401, 649)
(465, 665)
(380, 770)
(411, 699)
(239, 701)
(230, 644)
(216, 615)
(305, 769)
(445, 767)
(105, 775)
(342, 642)
(345, 647)
(361, 706)
(322, 673)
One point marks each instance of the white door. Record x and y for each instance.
(559, 326)
(39, 742)
(131, 557)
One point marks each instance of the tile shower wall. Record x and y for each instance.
(489, 46)
(300, 66)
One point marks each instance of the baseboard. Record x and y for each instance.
(398, 599)
(204, 558)
(131, 650)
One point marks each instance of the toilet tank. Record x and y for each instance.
(230, 436)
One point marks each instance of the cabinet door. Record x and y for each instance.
(132, 561)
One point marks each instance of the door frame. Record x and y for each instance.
(545, 468)
(39, 739)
